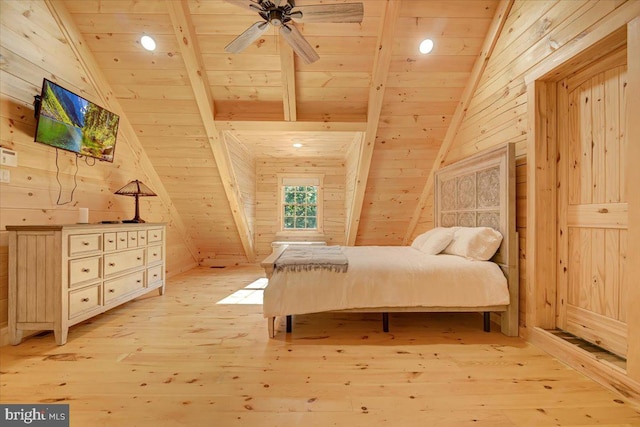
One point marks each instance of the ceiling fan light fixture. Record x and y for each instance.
(148, 43)
(276, 17)
(426, 46)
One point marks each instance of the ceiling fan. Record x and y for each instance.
(281, 17)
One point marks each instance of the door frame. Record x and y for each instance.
(541, 247)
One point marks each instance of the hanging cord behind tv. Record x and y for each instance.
(75, 177)
(75, 181)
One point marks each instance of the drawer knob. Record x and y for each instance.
(133, 238)
(110, 240)
(112, 264)
(155, 275)
(111, 291)
(122, 239)
(85, 243)
(141, 237)
(85, 300)
(138, 281)
(155, 254)
(86, 270)
(138, 258)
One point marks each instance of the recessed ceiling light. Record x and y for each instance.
(148, 43)
(297, 145)
(426, 46)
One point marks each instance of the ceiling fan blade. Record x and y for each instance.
(249, 36)
(339, 12)
(299, 44)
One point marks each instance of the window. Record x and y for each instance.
(300, 207)
(301, 204)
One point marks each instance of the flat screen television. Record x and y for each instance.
(70, 122)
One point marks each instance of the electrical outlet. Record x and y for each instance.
(8, 157)
(5, 176)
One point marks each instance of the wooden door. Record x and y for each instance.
(592, 203)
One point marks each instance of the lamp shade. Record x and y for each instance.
(136, 189)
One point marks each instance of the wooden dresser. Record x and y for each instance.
(60, 275)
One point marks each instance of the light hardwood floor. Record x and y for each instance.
(182, 359)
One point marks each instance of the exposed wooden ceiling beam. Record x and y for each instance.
(500, 17)
(288, 81)
(381, 64)
(278, 126)
(100, 84)
(188, 44)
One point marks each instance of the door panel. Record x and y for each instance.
(592, 208)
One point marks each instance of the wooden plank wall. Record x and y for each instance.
(32, 47)
(351, 165)
(156, 93)
(419, 101)
(633, 135)
(244, 168)
(498, 110)
(334, 172)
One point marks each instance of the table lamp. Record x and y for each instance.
(136, 189)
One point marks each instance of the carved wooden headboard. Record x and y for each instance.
(481, 191)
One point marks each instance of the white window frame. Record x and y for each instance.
(301, 180)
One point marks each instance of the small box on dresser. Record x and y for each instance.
(60, 275)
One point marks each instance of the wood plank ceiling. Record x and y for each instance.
(371, 90)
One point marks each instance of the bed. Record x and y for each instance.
(472, 195)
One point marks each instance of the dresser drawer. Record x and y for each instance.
(110, 242)
(84, 300)
(154, 275)
(83, 270)
(122, 261)
(154, 235)
(132, 239)
(83, 244)
(154, 254)
(114, 289)
(121, 240)
(142, 238)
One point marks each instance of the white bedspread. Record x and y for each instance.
(388, 276)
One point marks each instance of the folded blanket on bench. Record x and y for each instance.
(307, 258)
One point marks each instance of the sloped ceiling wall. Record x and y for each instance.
(195, 109)
(250, 96)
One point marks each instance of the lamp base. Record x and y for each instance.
(133, 221)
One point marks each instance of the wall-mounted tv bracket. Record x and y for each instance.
(37, 100)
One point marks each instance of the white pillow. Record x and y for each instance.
(433, 241)
(479, 243)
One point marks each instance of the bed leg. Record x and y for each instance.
(289, 324)
(385, 322)
(487, 321)
(271, 326)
